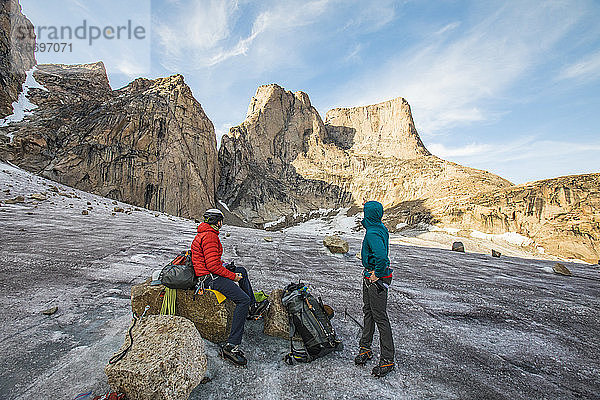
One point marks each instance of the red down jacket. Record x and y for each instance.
(207, 252)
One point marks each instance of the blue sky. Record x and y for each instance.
(512, 87)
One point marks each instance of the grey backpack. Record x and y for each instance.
(179, 273)
(309, 318)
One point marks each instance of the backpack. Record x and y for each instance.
(179, 273)
(309, 318)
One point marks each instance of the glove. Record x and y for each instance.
(230, 266)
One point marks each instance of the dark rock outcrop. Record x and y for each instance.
(148, 144)
(458, 246)
(16, 53)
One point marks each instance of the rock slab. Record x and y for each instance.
(212, 320)
(458, 246)
(166, 361)
(336, 244)
(276, 318)
(560, 269)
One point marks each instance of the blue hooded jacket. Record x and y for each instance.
(375, 246)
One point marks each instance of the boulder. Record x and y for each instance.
(276, 319)
(458, 246)
(50, 311)
(167, 360)
(18, 199)
(38, 196)
(335, 244)
(560, 269)
(496, 253)
(213, 320)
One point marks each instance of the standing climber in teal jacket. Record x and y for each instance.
(377, 277)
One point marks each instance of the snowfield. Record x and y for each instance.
(466, 326)
(22, 107)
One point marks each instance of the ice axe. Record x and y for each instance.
(352, 318)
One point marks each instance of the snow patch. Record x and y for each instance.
(224, 205)
(327, 225)
(22, 107)
(451, 231)
(57, 336)
(509, 237)
(274, 223)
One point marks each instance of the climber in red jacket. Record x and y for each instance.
(206, 257)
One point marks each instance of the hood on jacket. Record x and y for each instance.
(373, 212)
(204, 227)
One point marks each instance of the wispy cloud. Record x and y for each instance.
(518, 149)
(196, 33)
(373, 17)
(450, 27)
(207, 35)
(129, 67)
(585, 69)
(353, 54)
(449, 81)
(470, 149)
(523, 158)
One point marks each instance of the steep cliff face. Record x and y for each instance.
(16, 53)
(283, 159)
(258, 181)
(149, 143)
(386, 129)
(375, 153)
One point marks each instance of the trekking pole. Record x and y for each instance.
(352, 318)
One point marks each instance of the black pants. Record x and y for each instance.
(241, 295)
(375, 313)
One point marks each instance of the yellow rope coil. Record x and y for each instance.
(168, 304)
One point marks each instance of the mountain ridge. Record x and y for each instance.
(148, 143)
(151, 144)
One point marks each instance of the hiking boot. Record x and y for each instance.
(257, 309)
(234, 354)
(363, 356)
(384, 368)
